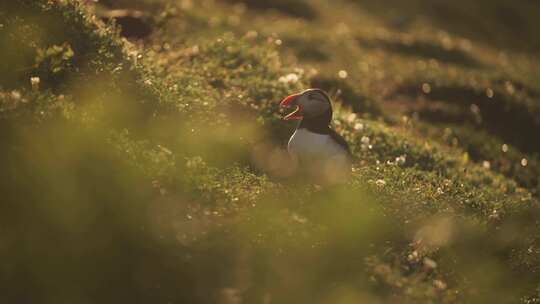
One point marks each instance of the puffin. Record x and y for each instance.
(314, 147)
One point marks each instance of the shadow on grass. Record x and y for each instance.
(349, 96)
(498, 115)
(307, 49)
(293, 8)
(422, 49)
(497, 23)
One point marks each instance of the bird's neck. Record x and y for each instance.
(318, 124)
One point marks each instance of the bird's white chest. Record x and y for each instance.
(306, 144)
(320, 155)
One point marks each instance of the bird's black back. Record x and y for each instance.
(340, 140)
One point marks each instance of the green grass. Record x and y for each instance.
(154, 171)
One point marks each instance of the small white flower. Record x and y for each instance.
(429, 263)
(251, 35)
(15, 95)
(489, 93)
(289, 78)
(380, 183)
(413, 257)
(365, 143)
(439, 284)
(34, 81)
(426, 88)
(400, 160)
(359, 126)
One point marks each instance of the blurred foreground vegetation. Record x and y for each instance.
(142, 152)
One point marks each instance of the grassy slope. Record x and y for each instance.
(113, 189)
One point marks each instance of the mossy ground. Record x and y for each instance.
(153, 170)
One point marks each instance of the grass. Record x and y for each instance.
(154, 170)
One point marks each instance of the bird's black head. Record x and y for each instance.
(312, 106)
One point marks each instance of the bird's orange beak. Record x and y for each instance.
(289, 102)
